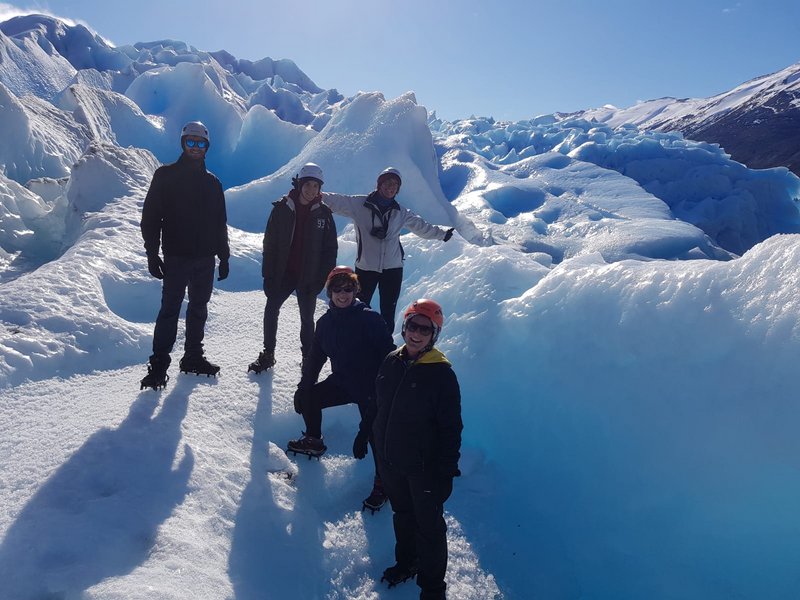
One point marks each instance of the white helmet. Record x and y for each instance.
(195, 128)
(390, 172)
(311, 171)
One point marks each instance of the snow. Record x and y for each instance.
(621, 311)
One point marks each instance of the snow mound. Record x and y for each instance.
(734, 206)
(361, 140)
(69, 317)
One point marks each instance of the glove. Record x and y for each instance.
(360, 445)
(224, 269)
(266, 288)
(300, 398)
(445, 488)
(448, 234)
(155, 265)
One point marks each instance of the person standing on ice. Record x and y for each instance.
(300, 249)
(379, 220)
(355, 339)
(184, 215)
(417, 432)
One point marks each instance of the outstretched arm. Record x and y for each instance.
(422, 228)
(342, 204)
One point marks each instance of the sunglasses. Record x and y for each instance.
(347, 289)
(198, 143)
(417, 328)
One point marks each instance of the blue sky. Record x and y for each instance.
(509, 59)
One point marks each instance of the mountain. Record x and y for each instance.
(757, 123)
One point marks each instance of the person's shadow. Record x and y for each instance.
(98, 515)
(275, 550)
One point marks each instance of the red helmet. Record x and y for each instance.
(426, 308)
(342, 272)
(338, 270)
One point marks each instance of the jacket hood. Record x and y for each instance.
(430, 357)
(291, 201)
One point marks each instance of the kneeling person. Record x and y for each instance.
(355, 339)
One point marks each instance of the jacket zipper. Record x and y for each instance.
(391, 411)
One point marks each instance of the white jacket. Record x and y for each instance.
(375, 254)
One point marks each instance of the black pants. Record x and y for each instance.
(389, 282)
(306, 302)
(325, 394)
(419, 528)
(180, 273)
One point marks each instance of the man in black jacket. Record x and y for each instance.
(184, 213)
(418, 440)
(300, 249)
(355, 339)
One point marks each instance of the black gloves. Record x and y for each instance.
(448, 234)
(440, 484)
(300, 398)
(266, 288)
(224, 269)
(155, 265)
(445, 488)
(360, 445)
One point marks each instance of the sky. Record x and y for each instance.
(510, 59)
(630, 423)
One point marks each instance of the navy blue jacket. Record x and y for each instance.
(356, 341)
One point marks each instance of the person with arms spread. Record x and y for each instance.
(379, 220)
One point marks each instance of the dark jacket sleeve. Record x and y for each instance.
(330, 250)
(380, 345)
(381, 342)
(152, 214)
(449, 425)
(269, 251)
(224, 250)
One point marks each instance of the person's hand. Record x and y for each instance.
(300, 398)
(360, 445)
(266, 287)
(448, 234)
(224, 269)
(155, 265)
(445, 488)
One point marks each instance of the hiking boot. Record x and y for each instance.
(398, 574)
(198, 365)
(156, 377)
(308, 445)
(265, 360)
(377, 497)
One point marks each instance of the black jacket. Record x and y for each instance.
(418, 425)
(184, 211)
(319, 251)
(356, 340)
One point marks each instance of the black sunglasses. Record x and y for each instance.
(347, 289)
(193, 143)
(421, 329)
